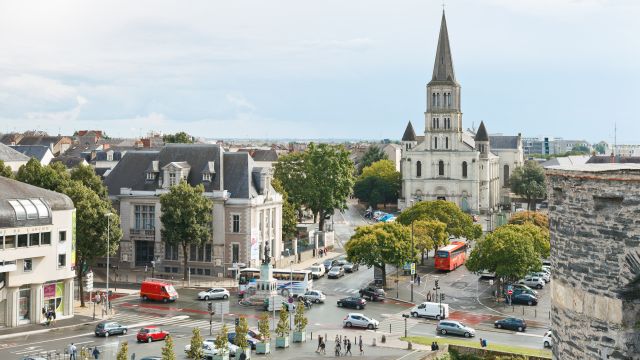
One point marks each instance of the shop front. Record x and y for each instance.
(54, 297)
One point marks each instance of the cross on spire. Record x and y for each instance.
(443, 5)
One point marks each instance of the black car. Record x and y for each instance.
(352, 302)
(522, 298)
(109, 328)
(511, 324)
(373, 293)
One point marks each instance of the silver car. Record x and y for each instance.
(454, 327)
(359, 320)
(315, 296)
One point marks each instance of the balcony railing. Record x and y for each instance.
(142, 232)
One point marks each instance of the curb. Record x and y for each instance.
(402, 301)
(42, 331)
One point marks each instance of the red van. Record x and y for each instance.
(158, 291)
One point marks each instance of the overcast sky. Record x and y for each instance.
(317, 69)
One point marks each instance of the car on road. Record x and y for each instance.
(511, 323)
(34, 358)
(350, 267)
(335, 272)
(231, 337)
(315, 296)
(520, 288)
(341, 262)
(329, 263)
(317, 271)
(151, 333)
(431, 310)
(373, 293)
(151, 357)
(108, 328)
(359, 320)
(454, 327)
(352, 302)
(547, 339)
(158, 291)
(210, 350)
(522, 298)
(214, 293)
(532, 281)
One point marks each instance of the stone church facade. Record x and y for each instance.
(449, 162)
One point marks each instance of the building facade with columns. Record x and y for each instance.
(37, 253)
(448, 162)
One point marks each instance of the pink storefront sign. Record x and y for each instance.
(49, 291)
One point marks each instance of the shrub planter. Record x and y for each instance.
(282, 342)
(220, 357)
(299, 336)
(263, 348)
(246, 351)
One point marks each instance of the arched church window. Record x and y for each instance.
(441, 168)
(418, 169)
(433, 99)
(435, 142)
(446, 142)
(464, 169)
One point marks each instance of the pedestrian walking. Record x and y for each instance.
(337, 350)
(437, 346)
(96, 353)
(348, 348)
(418, 278)
(323, 346)
(73, 350)
(319, 343)
(433, 346)
(344, 342)
(361, 347)
(481, 343)
(484, 342)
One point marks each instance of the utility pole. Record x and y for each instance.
(413, 267)
(108, 215)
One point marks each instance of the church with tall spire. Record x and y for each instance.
(447, 162)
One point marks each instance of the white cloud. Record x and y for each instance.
(57, 118)
(357, 44)
(240, 102)
(36, 87)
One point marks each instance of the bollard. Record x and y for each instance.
(374, 342)
(523, 310)
(383, 339)
(535, 312)
(389, 328)
(409, 346)
(312, 335)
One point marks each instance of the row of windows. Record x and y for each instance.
(27, 264)
(440, 168)
(446, 123)
(445, 101)
(202, 253)
(29, 209)
(26, 240)
(151, 176)
(446, 142)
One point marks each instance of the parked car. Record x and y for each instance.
(352, 302)
(359, 320)
(373, 293)
(214, 293)
(532, 281)
(486, 274)
(152, 357)
(335, 272)
(254, 333)
(108, 328)
(341, 262)
(231, 337)
(387, 218)
(315, 296)
(521, 288)
(329, 263)
(151, 333)
(454, 327)
(350, 267)
(210, 350)
(524, 299)
(317, 271)
(158, 291)
(546, 262)
(511, 323)
(547, 339)
(546, 277)
(431, 310)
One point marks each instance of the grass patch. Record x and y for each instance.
(427, 340)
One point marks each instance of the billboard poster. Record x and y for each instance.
(255, 245)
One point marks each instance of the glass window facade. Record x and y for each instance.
(145, 217)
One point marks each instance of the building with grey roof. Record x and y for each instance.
(37, 259)
(246, 210)
(57, 144)
(12, 158)
(39, 152)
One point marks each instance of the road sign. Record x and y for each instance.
(290, 300)
(510, 292)
(491, 282)
(413, 268)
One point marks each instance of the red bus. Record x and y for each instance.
(452, 256)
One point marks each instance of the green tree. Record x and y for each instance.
(528, 182)
(380, 244)
(186, 218)
(241, 333)
(167, 350)
(289, 218)
(51, 177)
(289, 172)
(263, 327)
(600, 148)
(123, 352)
(580, 149)
(87, 176)
(282, 329)
(378, 183)
(429, 235)
(221, 341)
(180, 137)
(458, 223)
(536, 218)
(5, 170)
(299, 320)
(373, 154)
(195, 351)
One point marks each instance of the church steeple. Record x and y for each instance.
(443, 66)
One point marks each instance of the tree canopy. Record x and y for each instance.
(373, 154)
(289, 218)
(378, 183)
(600, 148)
(5, 170)
(458, 223)
(186, 218)
(180, 137)
(429, 235)
(52, 177)
(86, 175)
(536, 218)
(528, 182)
(380, 244)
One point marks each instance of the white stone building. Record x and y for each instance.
(449, 162)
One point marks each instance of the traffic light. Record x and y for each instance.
(210, 307)
(441, 297)
(436, 282)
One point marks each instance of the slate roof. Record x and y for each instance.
(68, 161)
(40, 140)
(236, 174)
(409, 133)
(481, 135)
(11, 189)
(7, 154)
(504, 142)
(33, 151)
(261, 154)
(443, 65)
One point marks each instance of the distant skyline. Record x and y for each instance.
(324, 70)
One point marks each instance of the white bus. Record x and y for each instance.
(302, 281)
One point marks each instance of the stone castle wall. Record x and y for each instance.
(595, 237)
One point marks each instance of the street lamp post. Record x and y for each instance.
(108, 215)
(290, 288)
(412, 260)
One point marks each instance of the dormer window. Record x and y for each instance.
(172, 179)
(206, 177)
(151, 176)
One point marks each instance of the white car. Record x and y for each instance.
(533, 281)
(214, 293)
(210, 349)
(359, 320)
(541, 274)
(315, 296)
(317, 271)
(547, 339)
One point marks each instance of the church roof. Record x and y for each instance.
(443, 66)
(482, 135)
(409, 133)
(504, 142)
